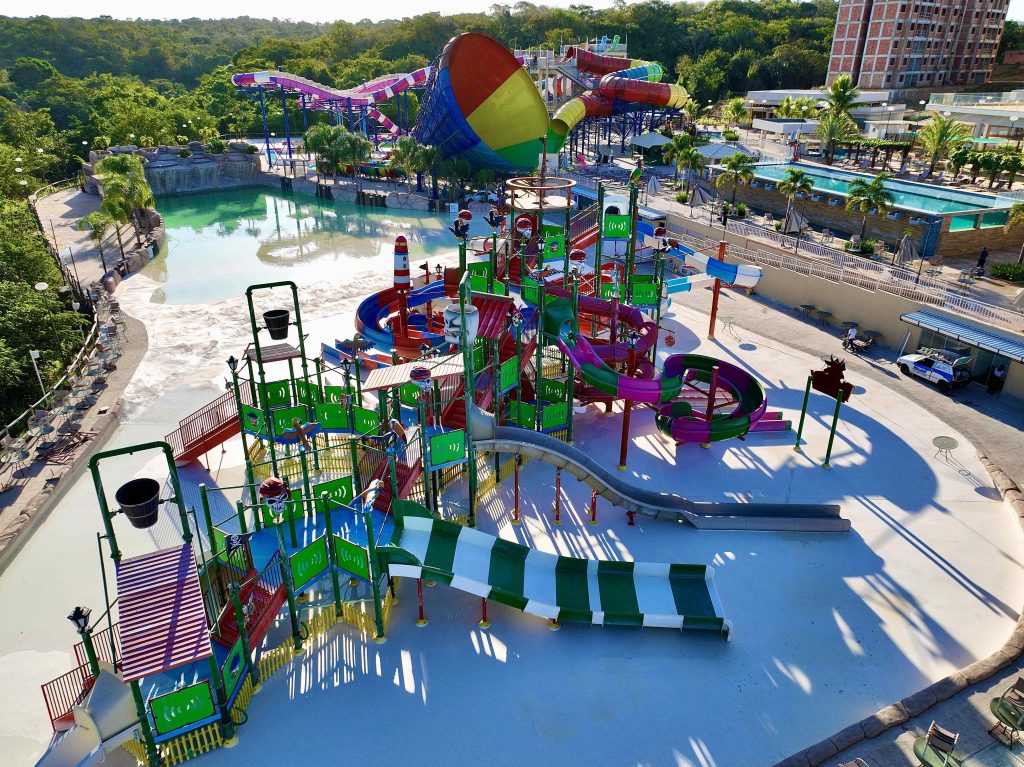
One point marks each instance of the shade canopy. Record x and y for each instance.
(650, 139)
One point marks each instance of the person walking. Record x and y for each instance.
(996, 380)
(980, 268)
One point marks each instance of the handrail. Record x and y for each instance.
(56, 186)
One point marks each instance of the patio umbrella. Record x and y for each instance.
(699, 196)
(906, 252)
(794, 222)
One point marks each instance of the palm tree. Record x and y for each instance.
(835, 129)
(125, 190)
(406, 157)
(735, 111)
(992, 164)
(737, 169)
(841, 95)
(680, 142)
(98, 224)
(317, 139)
(430, 159)
(867, 197)
(941, 136)
(793, 183)
(693, 111)
(692, 162)
(1016, 219)
(354, 149)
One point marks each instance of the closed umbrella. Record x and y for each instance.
(653, 185)
(794, 222)
(906, 252)
(699, 196)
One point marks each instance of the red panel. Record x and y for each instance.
(477, 66)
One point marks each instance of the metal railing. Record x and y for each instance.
(65, 692)
(216, 414)
(872, 276)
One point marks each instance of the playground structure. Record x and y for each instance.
(487, 105)
(362, 467)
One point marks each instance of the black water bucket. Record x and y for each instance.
(140, 501)
(277, 323)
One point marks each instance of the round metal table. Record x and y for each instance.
(944, 445)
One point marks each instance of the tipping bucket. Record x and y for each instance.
(140, 501)
(277, 323)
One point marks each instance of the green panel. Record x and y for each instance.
(307, 393)
(253, 419)
(638, 278)
(616, 226)
(529, 290)
(233, 670)
(447, 447)
(332, 416)
(554, 248)
(507, 570)
(962, 223)
(479, 268)
(409, 394)
(478, 284)
(478, 355)
(995, 218)
(276, 394)
(339, 490)
(352, 557)
(572, 591)
(309, 563)
(283, 418)
(552, 391)
(508, 374)
(608, 291)
(554, 415)
(523, 414)
(219, 547)
(293, 509)
(182, 707)
(645, 294)
(552, 230)
(366, 420)
(336, 394)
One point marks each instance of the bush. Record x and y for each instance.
(217, 146)
(185, 153)
(252, 149)
(1011, 272)
(682, 197)
(730, 135)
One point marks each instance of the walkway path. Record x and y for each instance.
(59, 214)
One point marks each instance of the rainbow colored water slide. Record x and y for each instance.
(622, 81)
(321, 96)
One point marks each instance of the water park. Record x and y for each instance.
(376, 465)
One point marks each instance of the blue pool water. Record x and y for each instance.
(924, 198)
(221, 242)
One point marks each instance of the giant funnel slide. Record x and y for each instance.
(320, 96)
(622, 81)
(552, 586)
(787, 517)
(483, 107)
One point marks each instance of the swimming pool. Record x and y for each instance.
(221, 242)
(923, 198)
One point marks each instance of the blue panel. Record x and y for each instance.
(968, 332)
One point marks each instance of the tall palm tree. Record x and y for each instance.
(406, 157)
(869, 197)
(793, 183)
(835, 129)
(317, 139)
(735, 111)
(737, 169)
(98, 224)
(841, 95)
(125, 190)
(693, 111)
(1015, 220)
(941, 136)
(692, 163)
(354, 149)
(430, 159)
(680, 142)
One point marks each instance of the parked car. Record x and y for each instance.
(945, 369)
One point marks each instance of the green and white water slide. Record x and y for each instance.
(554, 587)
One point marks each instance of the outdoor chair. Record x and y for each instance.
(935, 748)
(1015, 692)
(1009, 719)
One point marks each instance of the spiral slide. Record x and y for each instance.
(788, 517)
(365, 95)
(552, 586)
(376, 307)
(622, 81)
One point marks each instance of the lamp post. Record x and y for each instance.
(888, 116)
(79, 618)
(633, 337)
(34, 355)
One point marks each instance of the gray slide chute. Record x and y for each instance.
(777, 517)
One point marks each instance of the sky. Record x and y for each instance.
(321, 11)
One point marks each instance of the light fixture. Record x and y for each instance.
(232, 363)
(80, 618)
(75, 306)
(346, 366)
(41, 286)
